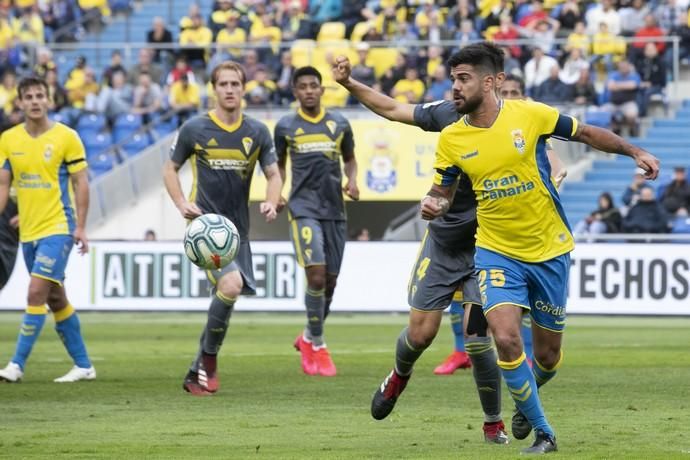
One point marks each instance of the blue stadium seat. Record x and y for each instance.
(102, 163)
(96, 143)
(125, 126)
(599, 118)
(91, 122)
(136, 144)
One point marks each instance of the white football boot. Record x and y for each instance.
(77, 373)
(12, 373)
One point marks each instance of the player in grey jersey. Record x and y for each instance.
(223, 147)
(316, 140)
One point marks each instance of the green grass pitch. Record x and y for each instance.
(623, 392)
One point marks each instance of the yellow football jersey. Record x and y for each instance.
(40, 169)
(519, 210)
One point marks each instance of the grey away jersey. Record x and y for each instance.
(223, 159)
(458, 226)
(315, 146)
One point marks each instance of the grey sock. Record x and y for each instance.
(219, 313)
(314, 301)
(406, 353)
(487, 376)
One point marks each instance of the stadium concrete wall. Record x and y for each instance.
(631, 279)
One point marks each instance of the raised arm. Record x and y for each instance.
(378, 103)
(606, 141)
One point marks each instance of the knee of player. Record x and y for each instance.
(422, 337)
(230, 285)
(37, 295)
(508, 341)
(316, 278)
(548, 357)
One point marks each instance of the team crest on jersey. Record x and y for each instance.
(48, 152)
(518, 140)
(331, 125)
(212, 143)
(247, 142)
(299, 132)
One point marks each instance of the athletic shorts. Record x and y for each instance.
(319, 242)
(243, 264)
(47, 258)
(541, 288)
(439, 275)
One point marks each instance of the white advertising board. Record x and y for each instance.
(646, 279)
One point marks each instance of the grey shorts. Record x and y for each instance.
(442, 275)
(319, 242)
(243, 264)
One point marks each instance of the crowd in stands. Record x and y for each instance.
(644, 209)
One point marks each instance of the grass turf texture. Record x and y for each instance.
(623, 392)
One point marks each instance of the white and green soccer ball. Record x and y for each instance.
(211, 241)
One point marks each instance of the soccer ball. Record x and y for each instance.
(211, 241)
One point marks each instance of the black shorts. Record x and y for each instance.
(243, 264)
(441, 273)
(319, 242)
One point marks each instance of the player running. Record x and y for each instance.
(512, 87)
(444, 268)
(316, 139)
(523, 239)
(42, 158)
(223, 146)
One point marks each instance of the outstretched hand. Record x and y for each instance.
(649, 163)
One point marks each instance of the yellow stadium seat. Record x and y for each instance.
(331, 31)
(382, 59)
(360, 30)
(302, 52)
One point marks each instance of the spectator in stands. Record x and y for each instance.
(83, 94)
(56, 14)
(361, 234)
(186, 21)
(579, 39)
(434, 59)
(115, 99)
(603, 13)
(57, 94)
(606, 219)
(536, 14)
(159, 34)
(500, 10)
(440, 86)
(584, 93)
(283, 79)
(221, 12)
(294, 23)
(145, 65)
(251, 62)
(681, 221)
(150, 235)
(652, 69)
(28, 27)
(573, 67)
(44, 62)
(543, 33)
(199, 38)
(463, 9)
(676, 194)
(422, 20)
(266, 36)
(232, 34)
(75, 77)
(607, 48)
(321, 11)
(510, 64)
(404, 36)
(568, 16)
(181, 69)
(633, 17)
(147, 97)
(8, 92)
(683, 32)
(387, 24)
(552, 90)
(623, 86)
(184, 99)
(508, 32)
(650, 30)
(409, 89)
(363, 71)
(394, 74)
(260, 90)
(464, 35)
(647, 215)
(354, 12)
(669, 13)
(115, 66)
(538, 69)
(632, 192)
(97, 11)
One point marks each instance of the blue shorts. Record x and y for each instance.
(47, 258)
(541, 288)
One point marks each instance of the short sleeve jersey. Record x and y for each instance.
(315, 146)
(223, 158)
(519, 211)
(40, 168)
(458, 226)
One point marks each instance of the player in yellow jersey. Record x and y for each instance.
(523, 238)
(41, 158)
